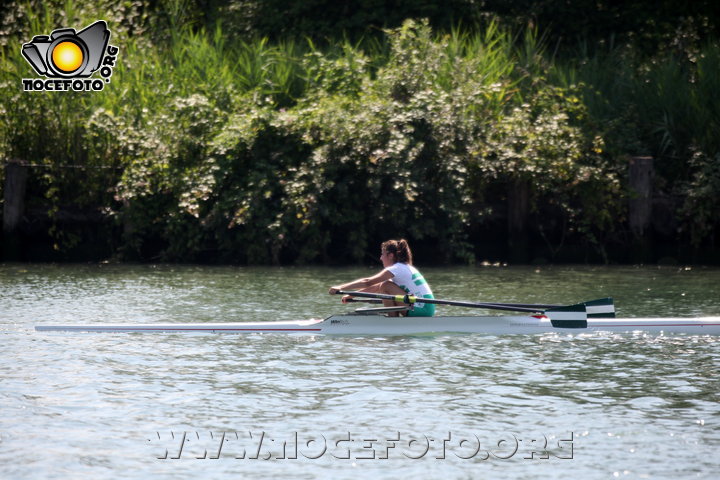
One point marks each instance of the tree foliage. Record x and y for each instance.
(217, 143)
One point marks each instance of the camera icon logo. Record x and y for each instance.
(68, 57)
(66, 53)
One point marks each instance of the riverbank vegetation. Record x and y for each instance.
(230, 135)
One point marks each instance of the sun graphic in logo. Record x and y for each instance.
(67, 56)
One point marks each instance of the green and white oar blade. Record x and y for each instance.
(600, 308)
(571, 316)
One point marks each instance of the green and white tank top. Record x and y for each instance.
(411, 280)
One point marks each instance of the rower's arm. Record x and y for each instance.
(363, 283)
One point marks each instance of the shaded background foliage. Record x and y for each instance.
(307, 132)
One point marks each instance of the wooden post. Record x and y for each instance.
(640, 206)
(518, 207)
(13, 207)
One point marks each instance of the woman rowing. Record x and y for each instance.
(398, 277)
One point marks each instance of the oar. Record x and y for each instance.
(600, 308)
(410, 299)
(539, 306)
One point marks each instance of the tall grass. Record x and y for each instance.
(673, 104)
(664, 106)
(489, 54)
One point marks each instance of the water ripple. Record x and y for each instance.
(637, 405)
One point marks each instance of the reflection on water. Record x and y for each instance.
(108, 405)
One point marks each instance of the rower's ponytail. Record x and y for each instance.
(400, 249)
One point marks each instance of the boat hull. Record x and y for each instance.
(382, 325)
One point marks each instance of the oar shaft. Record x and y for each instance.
(367, 300)
(539, 306)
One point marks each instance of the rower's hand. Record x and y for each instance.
(346, 298)
(333, 290)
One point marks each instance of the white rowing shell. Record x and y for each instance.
(382, 325)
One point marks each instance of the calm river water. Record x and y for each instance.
(120, 406)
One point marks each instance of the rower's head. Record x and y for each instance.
(394, 251)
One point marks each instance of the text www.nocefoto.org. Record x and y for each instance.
(249, 445)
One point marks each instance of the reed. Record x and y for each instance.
(663, 106)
